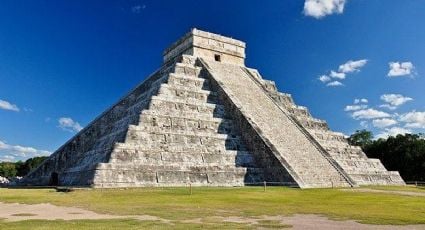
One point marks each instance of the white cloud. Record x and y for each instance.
(369, 114)
(337, 75)
(384, 122)
(354, 107)
(324, 78)
(321, 8)
(17, 152)
(394, 100)
(343, 70)
(66, 123)
(334, 83)
(352, 66)
(360, 100)
(394, 131)
(388, 106)
(138, 8)
(414, 119)
(398, 69)
(8, 106)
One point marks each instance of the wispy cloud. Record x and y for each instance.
(352, 66)
(393, 101)
(137, 9)
(398, 69)
(393, 131)
(387, 123)
(324, 78)
(360, 100)
(343, 69)
(369, 114)
(414, 119)
(17, 152)
(321, 8)
(354, 107)
(8, 106)
(357, 105)
(334, 84)
(68, 124)
(334, 74)
(384, 122)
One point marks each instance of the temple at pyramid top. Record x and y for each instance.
(208, 46)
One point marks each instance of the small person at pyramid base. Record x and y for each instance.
(206, 119)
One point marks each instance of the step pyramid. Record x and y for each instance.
(205, 119)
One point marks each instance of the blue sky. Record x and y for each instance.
(63, 62)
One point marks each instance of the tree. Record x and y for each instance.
(361, 138)
(29, 165)
(403, 153)
(13, 169)
(8, 169)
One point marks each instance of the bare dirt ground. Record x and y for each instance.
(316, 222)
(406, 193)
(17, 212)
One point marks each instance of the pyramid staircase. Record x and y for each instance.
(360, 168)
(185, 136)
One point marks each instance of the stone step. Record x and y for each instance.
(351, 149)
(327, 135)
(173, 148)
(187, 82)
(191, 139)
(187, 70)
(178, 108)
(187, 59)
(186, 114)
(175, 162)
(136, 178)
(124, 122)
(283, 99)
(380, 178)
(361, 165)
(299, 111)
(187, 95)
(313, 123)
(334, 144)
(166, 122)
(238, 158)
(110, 138)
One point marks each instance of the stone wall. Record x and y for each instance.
(207, 45)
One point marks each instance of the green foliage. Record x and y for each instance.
(29, 165)
(13, 169)
(361, 138)
(8, 169)
(403, 153)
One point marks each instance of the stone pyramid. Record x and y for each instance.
(204, 118)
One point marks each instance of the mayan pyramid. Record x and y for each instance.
(206, 119)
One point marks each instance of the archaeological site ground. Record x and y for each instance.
(401, 207)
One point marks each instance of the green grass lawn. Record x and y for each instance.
(177, 205)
